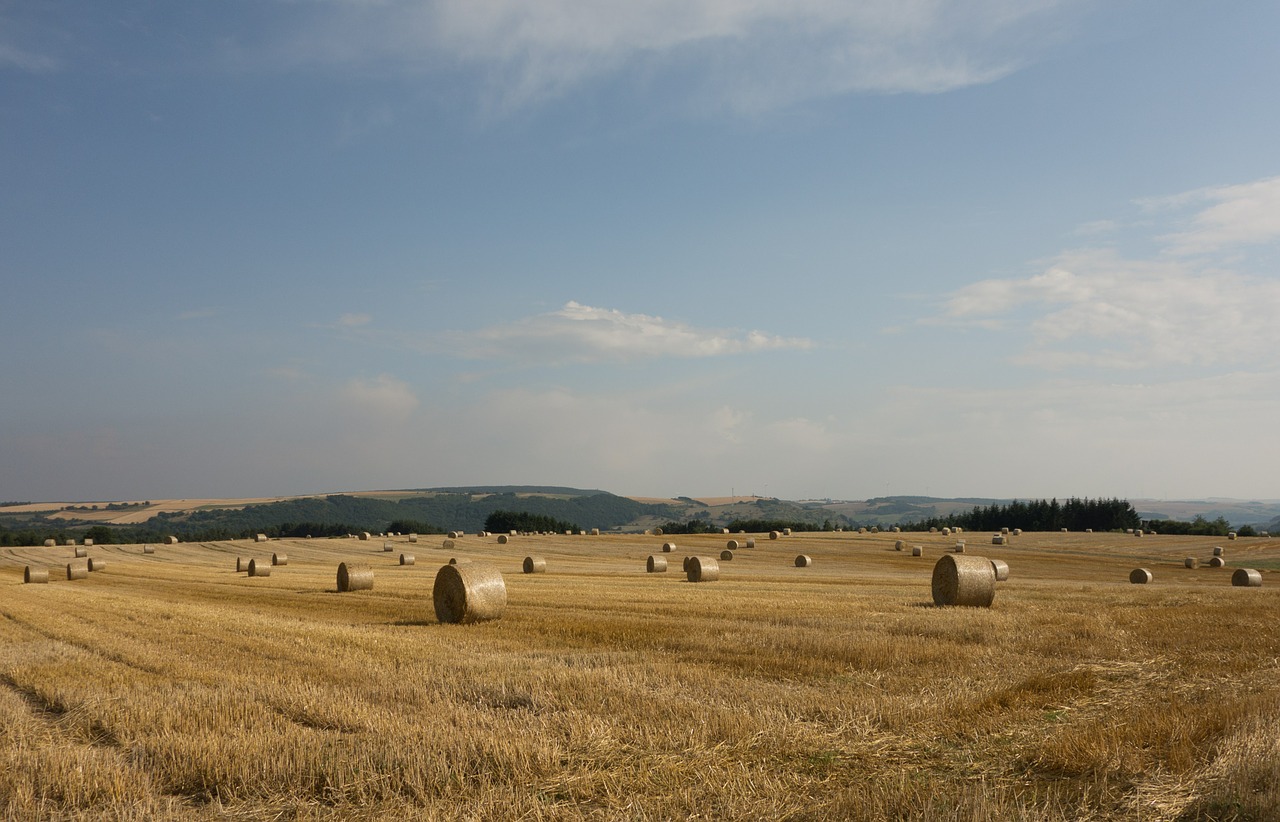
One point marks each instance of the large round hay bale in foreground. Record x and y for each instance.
(726, 555)
(97, 564)
(77, 570)
(1140, 576)
(32, 574)
(406, 559)
(258, 568)
(279, 559)
(668, 547)
(1246, 578)
(470, 592)
(1216, 562)
(502, 539)
(535, 565)
(1001, 568)
(803, 561)
(353, 577)
(655, 564)
(702, 569)
(1191, 562)
(963, 579)
(732, 545)
(917, 550)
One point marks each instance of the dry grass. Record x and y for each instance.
(604, 692)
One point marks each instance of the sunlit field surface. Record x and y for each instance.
(169, 686)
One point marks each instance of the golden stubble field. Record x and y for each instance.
(168, 686)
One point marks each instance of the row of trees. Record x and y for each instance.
(1041, 515)
(502, 521)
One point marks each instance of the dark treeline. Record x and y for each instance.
(1198, 527)
(503, 521)
(1041, 515)
(754, 526)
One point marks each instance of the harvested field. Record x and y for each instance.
(836, 691)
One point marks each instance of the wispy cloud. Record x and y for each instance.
(354, 320)
(24, 60)
(384, 397)
(750, 55)
(1246, 214)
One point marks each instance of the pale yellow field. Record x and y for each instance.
(169, 686)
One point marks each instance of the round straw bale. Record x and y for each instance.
(897, 529)
(1017, 532)
(655, 564)
(724, 530)
(448, 543)
(702, 569)
(1088, 530)
(413, 537)
(595, 532)
(77, 570)
(946, 532)
(454, 535)
(786, 532)
(258, 568)
(917, 550)
(147, 549)
(88, 542)
(1216, 562)
(242, 564)
(535, 565)
(260, 538)
(32, 574)
(1231, 535)
(958, 547)
(387, 546)
(900, 545)
(1004, 530)
(354, 577)
(964, 580)
(862, 530)
(803, 561)
(1190, 562)
(97, 564)
(668, 547)
(997, 539)
(1001, 568)
(279, 559)
(471, 592)
(1246, 578)
(1137, 532)
(726, 555)
(774, 535)
(406, 559)
(657, 532)
(50, 543)
(732, 545)
(750, 543)
(1140, 576)
(458, 560)
(171, 540)
(933, 529)
(81, 553)
(70, 542)
(502, 539)
(1217, 550)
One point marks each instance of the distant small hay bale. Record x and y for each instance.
(786, 532)
(242, 564)
(413, 537)
(1140, 576)
(77, 570)
(88, 542)
(1246, 578)
(1017, 532)
(655, 564)
(726, 555)
(997, 539)
(32, 575)
(260, 538)
(595, 532)
(957, 529)
(387, 546)
(81, 553)
(917, 550)
(454, 534)
(774, 535)
(258, 568)
(964, 580)
(97, 564)
(1128, 530)
(147, 549)
(1088, 530)
(862, 530)
(657, 532)
(946, 532)
(279, 559)
(900, 545)
(958, 547)
(1001, 568)
(503, 539)
(1064, 530)
(668, 547)
(724, 530)
(448, 543)
(1217, 550)
(170, 540)
(750, 543)
(406, 559)
(1231, 535)
(50, 543)
(472, 592)
(1216, 562)
(702, 569)
(732, 545)
(804, 561)
(365, 536)
(897, 530)
(933, 529)
(1004, 530)
(1137, 532)
(512, 533)
(535, 565)
(1190, 562)
(568, 533)
(354, 577)
(70, 542)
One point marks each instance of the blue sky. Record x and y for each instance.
(798, 249)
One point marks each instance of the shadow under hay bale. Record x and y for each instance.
(1140, 576)
(804, 561)
(701, 569)
(406, 559)
(655, 565)
(1001, 568)
(32, 575)
(726, 555)
(257, 568)
(1246, 578)
(535, 565)
(963, 579)
(279, 559)
(353, 577)
(77, 570)
(471, 592)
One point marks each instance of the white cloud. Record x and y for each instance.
(581, 333)
(354, 320)
(751, 54)
(384, 398)
(1245, 214)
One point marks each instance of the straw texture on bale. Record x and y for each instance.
(702, 569)
(258, 568)
(1017, 532)
(170, 540)
(595, 532)
(502, 539)
(242, 564)
(1231, 535)
(997, 539)
(900, 545)
(774, 535)
(750, 543)
(1004, 530)
(1246, 578)
(448, 543)
(364, 536)
(786, 532)
(81, 553)
(71, 542)
(535, 565)
(1140, 576)
(655, 564)
(77, 570)
(471, 592)
(88, 542)
(1137, 532)
(958, 547)
(458, 560)
(387, 546)
(147, 549)
(260, 538)
(726, 555)
(917, 551)
(1217, 550)
(732, 545)
(1190, 562)
(31, 574)
(49, 543)
(803, 561)
(279, 559)
(97, 564)
(354, 578)
(406, 559)
(668, 547)
(1001, 568)
(1216, 562)
(657, 532)
(413, 537)
(964, 580)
